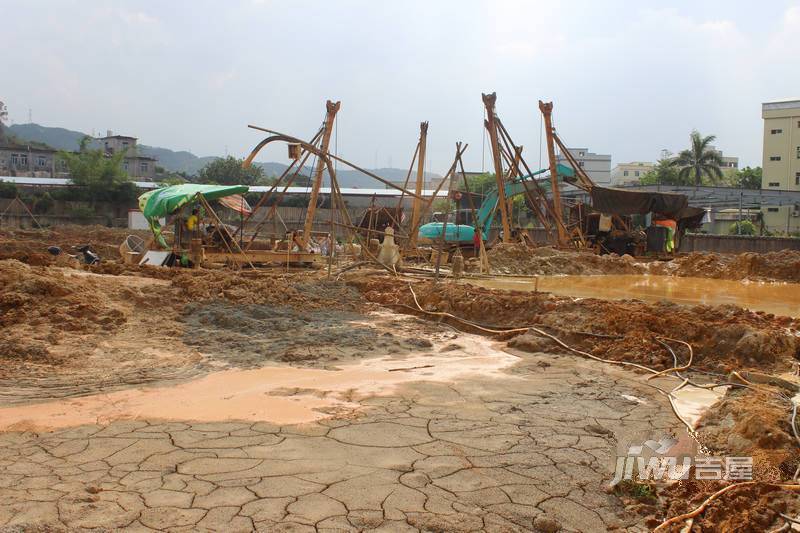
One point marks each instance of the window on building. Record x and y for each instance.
(636, 173)
(580, 164)
(41, 161)
(774, 158)
(772, 209)
(143, 166)
(773, 132)
(23, 160)
(797, 178)
(625, 173)
(14, 160)
(125, 145)
(106, 145)
(798, 152)
(798, 123)
(774, 184)
(125, 166)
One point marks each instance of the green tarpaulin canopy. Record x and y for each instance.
(167, 200)
(162, 202)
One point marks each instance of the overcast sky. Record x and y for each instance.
(626, 78)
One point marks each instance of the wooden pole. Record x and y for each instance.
(416, 213)
(265, 197)
(205, 204)
(405, 183)
(331, 237)
(547, 113)
(278, 136)
(330, 117)
(443, 238)
(489, 101)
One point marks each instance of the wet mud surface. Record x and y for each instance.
(248, 336)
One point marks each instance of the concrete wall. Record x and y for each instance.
(735, 244)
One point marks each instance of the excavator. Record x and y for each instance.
(461, 230)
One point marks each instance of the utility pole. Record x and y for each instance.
(491, 125)
(330, 117)
(416, 212)
(547, 113)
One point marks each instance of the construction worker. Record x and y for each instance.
(672, 231)
(193, 221)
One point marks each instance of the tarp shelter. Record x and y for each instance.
(168, 200)
(621, 202)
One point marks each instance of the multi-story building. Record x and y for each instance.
(729, 163)
(596, 166)
(781, 161)
(136, 165)
(26, 160)
(629, 173)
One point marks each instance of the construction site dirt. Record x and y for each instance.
(139, 398)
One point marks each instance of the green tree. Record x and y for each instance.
(100, 175)
(664, 173)
(698, 161)
(8, 189)
(745, 227)
(747, 178)
(229, 171)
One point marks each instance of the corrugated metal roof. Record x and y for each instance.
(346, 191)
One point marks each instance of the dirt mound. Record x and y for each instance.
(42, 307)
(30, 245)
(747, 423)
(749, 508)
(772, 266)
(66, 331)
(753, 423)
(33, 296)
(263, 287)
(524, 260)
(723, 337)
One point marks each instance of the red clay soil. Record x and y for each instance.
(520, 259)
(752, 508)
(724, 338)
(50, 316)
(772, 266)
(30, 245)
(747, 423)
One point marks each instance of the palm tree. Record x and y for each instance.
(701, 159)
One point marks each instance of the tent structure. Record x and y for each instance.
(168, 200)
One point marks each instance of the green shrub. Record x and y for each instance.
(745, 227)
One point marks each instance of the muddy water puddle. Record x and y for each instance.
(278, 394)
(777, 298)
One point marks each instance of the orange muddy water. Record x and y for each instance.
(777, 298)
(278, 394)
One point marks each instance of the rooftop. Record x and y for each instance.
(116, 137)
